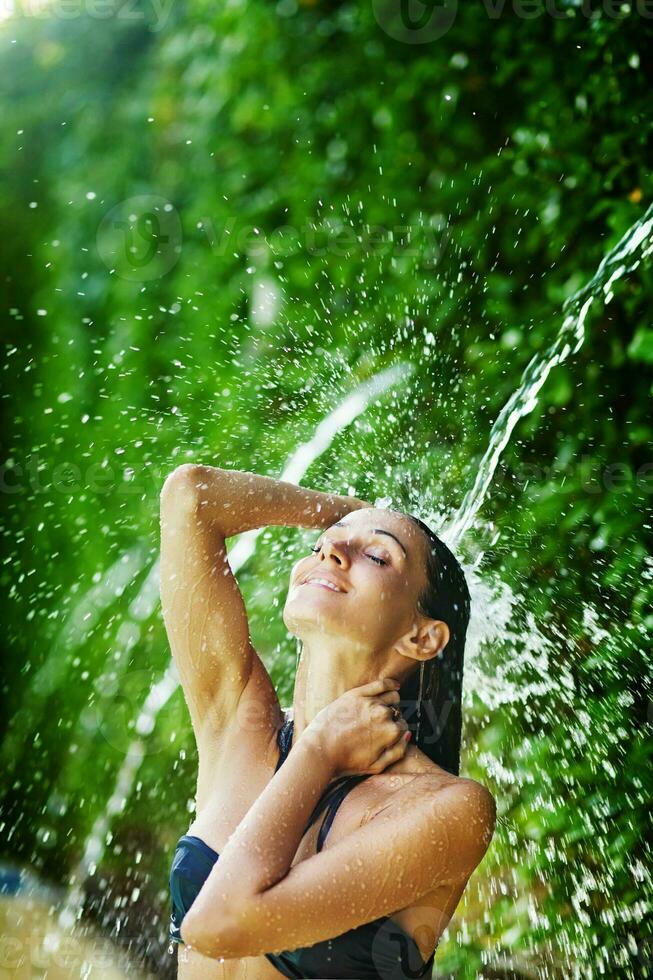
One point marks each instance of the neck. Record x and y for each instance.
(327, 670)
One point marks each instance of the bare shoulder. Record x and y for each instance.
(448, 820)
(458, 792)
(436, 798)
(468, 808)
(465, 793)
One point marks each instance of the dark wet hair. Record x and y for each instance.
(445, 597)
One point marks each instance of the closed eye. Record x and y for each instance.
(379, 561)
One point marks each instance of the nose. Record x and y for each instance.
(334, 550)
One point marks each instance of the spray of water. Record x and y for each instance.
(74, 632)
(534, 650)
(160, 693)
(625, 257)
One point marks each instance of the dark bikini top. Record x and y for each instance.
(378, 950)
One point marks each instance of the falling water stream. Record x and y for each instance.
(636, 245)
(627, 254)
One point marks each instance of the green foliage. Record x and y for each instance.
(396, 202)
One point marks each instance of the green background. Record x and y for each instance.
(398, 200)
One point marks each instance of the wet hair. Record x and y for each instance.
(446, 597)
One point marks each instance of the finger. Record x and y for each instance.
(389, 697)
(395, 728)
(394, 752)
(400, 726)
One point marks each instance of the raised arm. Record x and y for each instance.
(202, 605)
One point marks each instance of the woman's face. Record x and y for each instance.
(376, 559)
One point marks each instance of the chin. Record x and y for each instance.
(289, 622)
(296, 618)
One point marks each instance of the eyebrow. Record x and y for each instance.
(377, 530)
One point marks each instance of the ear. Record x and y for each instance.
(427, 638)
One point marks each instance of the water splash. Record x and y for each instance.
(160, 693)
(528, 672)
(535, 652)
(74, 632)
(158, 696)
(625, 257)
(105, 684)
(343, 415)
(85, 617)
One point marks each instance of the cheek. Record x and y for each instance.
(297, 570)
(382, 589)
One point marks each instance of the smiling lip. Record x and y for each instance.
(320, 581)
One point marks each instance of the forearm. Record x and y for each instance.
(260, 851)
(235, 501)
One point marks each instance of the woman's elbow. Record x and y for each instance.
(180, 493)
(196, 937)
(221, 939)
(183, 479)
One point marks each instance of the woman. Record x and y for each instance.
(380, 605)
